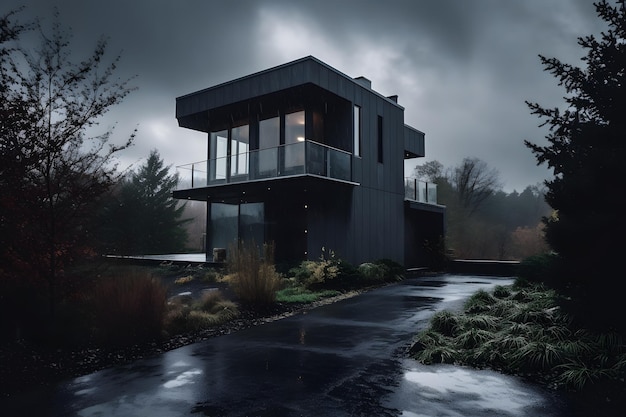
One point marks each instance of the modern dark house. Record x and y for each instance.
(309, 158)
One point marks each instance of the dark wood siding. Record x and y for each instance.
(368, 221)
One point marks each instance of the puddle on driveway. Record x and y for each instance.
(437, 390)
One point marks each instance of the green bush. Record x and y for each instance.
(538, 269)
(322, 273)
(373, 273)
(393, 270)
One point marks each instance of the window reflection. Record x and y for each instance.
(218, 153)
(239, 148)
(294, 140)
(269, 139)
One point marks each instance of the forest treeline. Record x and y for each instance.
(483, 221)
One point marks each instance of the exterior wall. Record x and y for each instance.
(377, 222)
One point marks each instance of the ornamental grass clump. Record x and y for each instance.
(525, 333)
(128, 307)
(254, 279)
(185, 314)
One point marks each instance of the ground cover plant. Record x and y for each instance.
(521, 330)
(186, 314)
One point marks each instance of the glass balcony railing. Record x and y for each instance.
(421, 191)
(300, 158)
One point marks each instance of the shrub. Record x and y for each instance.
(184, 280)
(538, 269)
(255, 280)
(318, 274)
(211, 276)
(187, 315)
(373, 273)
(393, 270)
(213, 302)
(128, 308)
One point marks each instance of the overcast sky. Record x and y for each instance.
(462, 69)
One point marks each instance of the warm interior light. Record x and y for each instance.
(300, 139)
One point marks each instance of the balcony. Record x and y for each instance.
(420, 191)
(301, 158)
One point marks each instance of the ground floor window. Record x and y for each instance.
(230, 223)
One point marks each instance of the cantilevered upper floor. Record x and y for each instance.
(303, 118)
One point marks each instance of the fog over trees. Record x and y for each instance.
(484, 222)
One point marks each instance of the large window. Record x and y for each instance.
(236, 222)
(224, 227)
(357, 130)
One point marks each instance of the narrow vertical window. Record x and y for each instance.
(294, 142)
(357, 130)
(269, 141)
(380, 139)
(239, 148)
(218, 153)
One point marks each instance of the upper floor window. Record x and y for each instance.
(218, 151)
(294, 141)
(357, 130)
(239, 150)
(294, 127)
(380, 139)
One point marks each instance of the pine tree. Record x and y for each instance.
(586, 147)
(141, 217)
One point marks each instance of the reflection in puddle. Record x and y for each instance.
(457, 391)
(185, 378)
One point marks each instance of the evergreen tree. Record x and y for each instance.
(141, 217)
(586, 146)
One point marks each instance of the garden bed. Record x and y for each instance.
(27, 366)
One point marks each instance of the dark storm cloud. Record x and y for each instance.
(462, 69)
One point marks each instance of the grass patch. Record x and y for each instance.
(303, 295)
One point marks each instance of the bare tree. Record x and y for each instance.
(431, 171)
(474, 182)
(53, 167)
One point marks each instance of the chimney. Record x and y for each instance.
(364, 82)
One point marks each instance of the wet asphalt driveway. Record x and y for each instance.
(343, 359)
